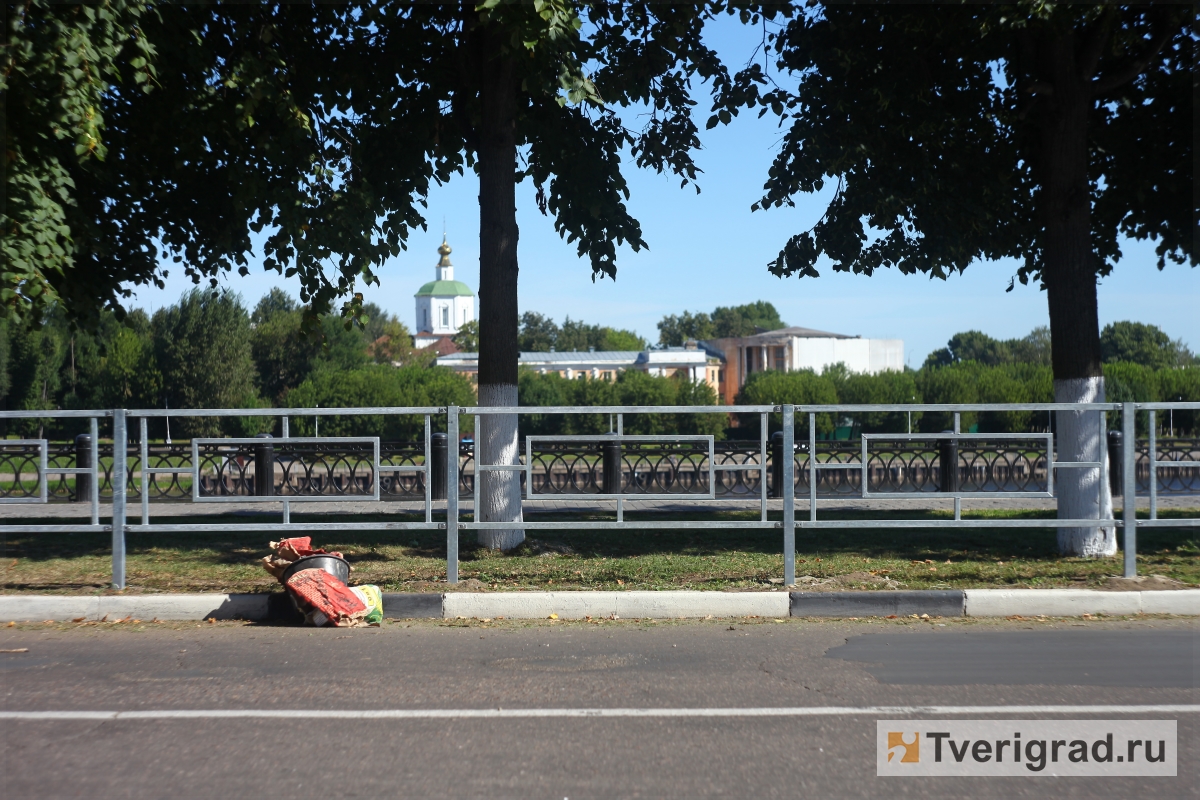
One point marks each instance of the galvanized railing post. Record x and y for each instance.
(789, 495)
(119, 475)
(452, 447)
(1129, 490)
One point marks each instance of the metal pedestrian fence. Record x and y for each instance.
(625, 453)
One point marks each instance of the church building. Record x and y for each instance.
(443, 305)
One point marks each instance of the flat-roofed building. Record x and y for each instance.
(691, 361)
(795, 348)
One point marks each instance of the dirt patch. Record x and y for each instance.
(850, 580)
(1143, 583)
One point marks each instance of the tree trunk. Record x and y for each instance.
(497, 494)
(1069, 273)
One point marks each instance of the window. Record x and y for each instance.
(781, 359)
(749, 359)
(425, 317)
(606, 375)
(445, 316)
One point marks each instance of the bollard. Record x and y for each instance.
(439, 458)
(1115, 463)
(948, 464)
(83, 461)
(777, 464)
(264, 468)
(613, 466)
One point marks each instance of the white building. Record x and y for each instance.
(791, 349)
(443, 305)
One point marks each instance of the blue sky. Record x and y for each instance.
(708, 250)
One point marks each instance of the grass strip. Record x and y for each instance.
(579, 559)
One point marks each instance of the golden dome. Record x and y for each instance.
(444, 251)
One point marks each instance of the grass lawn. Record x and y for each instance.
(570, 559)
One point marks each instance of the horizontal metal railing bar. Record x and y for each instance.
(1160, 464)
(1074, 464)
(622, 437)
(959, 523)
(817, 409)
(749, 466)
(951, 435)
(291, 498)
(82, 528)
(500, 467)
(26, 500)
(597, 496)
(183, 468)
(68, 470)
(838, 465)
(1179, 405)
(54, 414)
(1190, 522)
(477, 410)
(299, 527)
(614, 525)
(398, 467)
(871, 495)
(282, 412)
(211, 440)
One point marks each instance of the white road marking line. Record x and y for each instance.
(516, 713)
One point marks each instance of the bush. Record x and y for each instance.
(797, 388)
(379, 386)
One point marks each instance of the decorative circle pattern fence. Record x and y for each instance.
(567, 467)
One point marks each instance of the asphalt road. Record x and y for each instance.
(623, 665)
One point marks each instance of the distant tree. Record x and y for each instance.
(803, 387)
(378, 385)
(467, 338)
(538, 332)
(674, 330)
(126, 374)
(971, 346)
(614, 339)
(744, 320)
(983, 349)
(202, 348)
(1139, 343)
(283, 354)
(274, 302)
(1034, 348)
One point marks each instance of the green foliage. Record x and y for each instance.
(467, 338)
(540, 333)
(803, 387)
(1139, 343)
(881, 388)
(744, 320)
(60, 62)
(979, 347)
(934, 153)
(375, 386)
(632, 388)
(323, 126)
(202, 348)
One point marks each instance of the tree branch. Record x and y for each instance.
(1134, 68)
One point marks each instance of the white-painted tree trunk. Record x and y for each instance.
(498, 493)
(1082, 492)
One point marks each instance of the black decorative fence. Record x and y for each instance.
(347, 470)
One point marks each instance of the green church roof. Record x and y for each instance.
(444, 289)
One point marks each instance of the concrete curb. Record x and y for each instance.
(1073, 602)
(935, 603)
(626, 605)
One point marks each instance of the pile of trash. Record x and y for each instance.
(316, 582)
